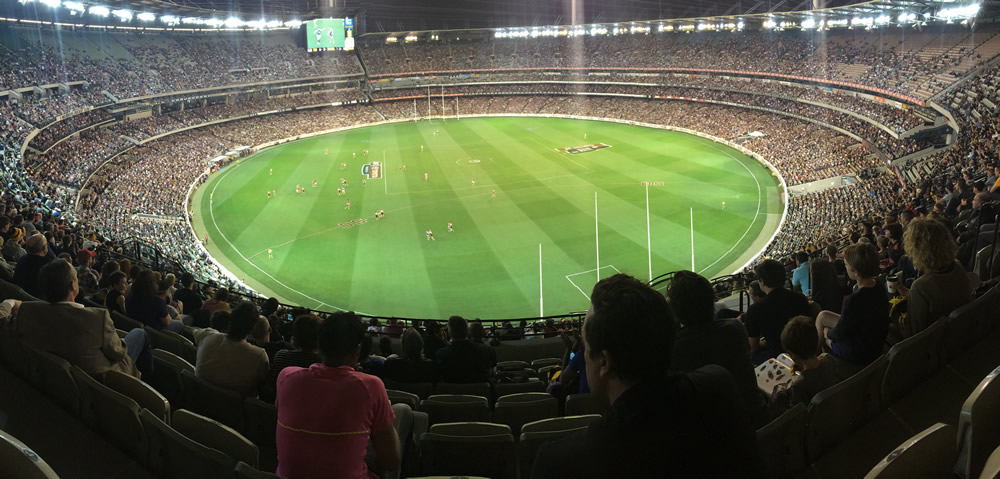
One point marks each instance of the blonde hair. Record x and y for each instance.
(930, 245)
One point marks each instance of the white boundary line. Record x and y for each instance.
(692, 236)
(541, 297)
(569, 276)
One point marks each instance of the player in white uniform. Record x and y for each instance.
(451, 229)
(473, 182)
(425, 176)
(270, 171)
(430, 235)
(494, 194)
(348, 205)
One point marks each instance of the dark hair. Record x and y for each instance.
(458, 327)
(802, 257)
(110, 267)
(906, 214)
(222, 294)
(799, 337)
(831, 251)
(385, 346)
(305, 331)
(771, 273)
(187, 279)
(476, 330)
(243, 319)
(864, 258)
(412, 345)
(755, 289)
(220, 321)
(115, 277)
(144, 284)
(692, 298)
(633, 323)
(55, 280)
(895, 230)
(270, 306)
(339, 335)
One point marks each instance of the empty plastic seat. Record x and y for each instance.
(487, 456)
(17, 460)
(55, 379)
(512, 365)
(504, 389)
(992, 468)
(516, 410)
(403, 397)
(541, 363)
(970, 323)
(246, 471)
(114, 414)
(261, 422)
(913, 360)
(223, 405)
(168, 454)
(166, 376)
(470, 429)
(455, 408)
(537, 433)
(979, 426)
(840, 409)
(422, 390)
(782, 443)
(931, 453)
(213, 434)
(166, 341)
(470, 389)
(580, 404)
(140, 392)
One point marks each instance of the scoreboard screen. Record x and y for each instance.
(326, 34)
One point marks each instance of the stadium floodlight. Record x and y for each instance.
(273, 24)
(74, 7)
(191, 20)
(22, 2)
(99, 10)
(233, 22)
(769, 23)
(214, 22)
(146, 16)
(967, 11)
(170, 19)
(808, 24)
(51, 3)
(906, 17)
(740, 25)
(123, 14)
(862, 21)
(883, 20)
(293, 23)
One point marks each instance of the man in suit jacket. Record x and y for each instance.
(85, 337)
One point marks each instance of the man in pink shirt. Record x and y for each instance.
(328, 412)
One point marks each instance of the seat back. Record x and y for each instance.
(172, 455)
(163, 340)
(931, 453)
(840, 409)
(123, 322)
(782, 443)
(512, 365)
(245, 471)
(261, 423)
(992, 468)
(55, 379)
(114, 414)
(403, 397)
(188, 350)
(17, 460)
(207, 399)
(20, 360)
(215, 435)
(516, 410)
(166, 376)
(422, 390)
(913, 360)
(536, 434)
(979, 426)
(970, 323)
(505, 389)
(469, 389)
(587, 403)
(140, 392)
(455, 408)
(541, 363)
(469, 429)
(487, 456)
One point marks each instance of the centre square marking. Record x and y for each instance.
(473, 161)
(584, 148)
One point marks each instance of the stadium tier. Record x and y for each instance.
(841, 185)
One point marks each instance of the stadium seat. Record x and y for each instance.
(992, 468)
(971, 323)
(166, 341)
(261, 423)
(782, 443)
(115, 415)
(205, 398)
(544, 362)
(403, 397)
(123, 322)
(17, 460)
(246, 471)
(840, 409)
(979, 426)
(587, 403)
(422, 390)
(166, 376)
(13, 291)
(143, 394)
(543, 373)
(455, 408)
(930, 454)
(470, 429)
(505, 389)
(512, 365)
(17, 358)
(55, 380)
(470, 389)
(913, 360)
(487, 456)
(516, 410)
(215, 435)
(169, 454)
(537, 433)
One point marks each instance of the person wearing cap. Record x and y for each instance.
(12, 249)
(26, 271)
(88, 277)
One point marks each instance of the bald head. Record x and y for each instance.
(36, 245)
(980, 199)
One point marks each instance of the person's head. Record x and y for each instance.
(118, 281)
(222, 294)
(340, 338)
(980, 199)
(458, 328)
(755, 292)
(862, 261)
(85, 258)
(628, 335)
(691, 298)
(16, 235)
(4, 223)
(261, 331)
(412, 345)
(801, 257)
(58, 282)
(799, 339)
(162, 288)
(126, 266)
(930, 245)
(270, 306)
(894, 231)
(37, 245)
(476, 331)
(220, 321)
(145, 284)
(242, 321)
(771, 275)
(170, 279)
(187, 280)
(305, 332)
(109, 268)
(385, 346)
(831, 252)
(905, 217)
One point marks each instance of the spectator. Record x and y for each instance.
(228, 360)
(115, 299)
(219, 302)
(12, 249)
(28, 267)
(944, 284)
(83, 336)
(703, 340)
(826, 290)
(857, 335)
(385, 346)
(305, 334)
(477, 333)
(328, 413)
(462, 361)
(800, 275)
(766, 318)
(261, 337)
(434, 340)
(410, 366)
(191, 300)
(89, 278)
(573, 377)
(144, 303)
(705, 432)
(816, 371)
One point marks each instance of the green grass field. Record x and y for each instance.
(328, 257)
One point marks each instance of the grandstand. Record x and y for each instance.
(878, 121)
